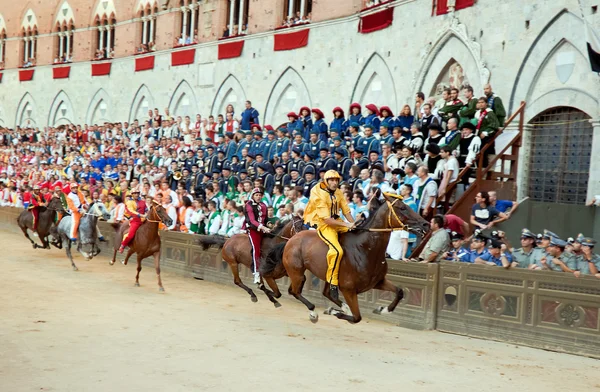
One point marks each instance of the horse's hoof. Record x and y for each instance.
(277, 304)
(75, 269)
(137, 284)
(377, 310)
(381, 310)
(111, 262)
(162, 289)
(328, 310)
(254, 299)
(313, 316)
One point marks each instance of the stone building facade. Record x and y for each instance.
(533, 51)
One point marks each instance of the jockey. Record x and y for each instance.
(35, 203)
(134, 210)
(76, 203)
(322, 212)
(256, 221)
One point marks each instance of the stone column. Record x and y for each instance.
(290, 8)
(101, 39)
(594, 178)
(152, 20)
(26, 47)
(241, 18)
(144, 30)
(61, 37)
(108, 34)
(68, 42)
(1, 50)
(231, 12)
(303, 9)
(184, 24)
(192, 21)
(32, 46)
(524, 166)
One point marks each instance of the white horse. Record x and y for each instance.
(87, 233)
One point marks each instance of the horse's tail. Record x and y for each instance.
(273, 259)
(207, 240)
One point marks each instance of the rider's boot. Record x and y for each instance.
(101, 239)
(334, 293)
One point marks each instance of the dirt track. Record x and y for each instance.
(93, 330)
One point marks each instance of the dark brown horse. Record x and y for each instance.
(237, 250)
(146, 242)
(46, 222)
(363, 266)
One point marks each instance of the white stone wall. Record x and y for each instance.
(545, 65)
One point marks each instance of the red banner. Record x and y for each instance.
(289, 41)
(61, 72)
(25, 75)
(442, 6)
(144, 63)
(183, 57)
(377, 21)
(0, 77)
(101, 69)
(230, 50)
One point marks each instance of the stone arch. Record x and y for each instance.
(288, 94)
(26, 111)
(99, 108)
(2, 24)
(65, 15)
(145, 5)
(183, 101)
(230, 92)
(452, 45)
(142, 101)
(29, 22)
(105, 9)
(554, 59)
(375, 84)
(61, 110)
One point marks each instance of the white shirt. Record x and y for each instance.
(75, 198)
(452, 164)
(172, 212)
(119, 212)
(430, 190)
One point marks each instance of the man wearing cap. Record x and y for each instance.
(256, 224)
(385, 136)
(539, 252)
(314, 145)
(281, 178)
(556, 258)
(269, 146)
(296, 179)
(282, 144)
(325, 161)
(135, 210)
(359, 159)
(35, 203)
(468, 148)
(369, 142)
(523, 257)
(258, 144)
(266, 177)
(325, 205)
(319, 125)
(495, 256)
(76, 203)
(589, 257)
(343, 164)
(296, 162)
(457, 251)
(310, 181)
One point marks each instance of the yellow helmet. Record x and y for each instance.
(331, 174)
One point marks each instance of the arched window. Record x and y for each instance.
(296, 11)
(148, 29)
(64, 45)
(106, 38)
(29, 47)
(237, 11)
(561, 148)
(190, 14)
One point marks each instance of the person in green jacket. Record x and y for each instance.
(450, 110)
(494, 103)
(487, 127)
(467, 112)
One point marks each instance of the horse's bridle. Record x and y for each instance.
(392, 213)
(153, 208)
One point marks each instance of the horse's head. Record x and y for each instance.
(100, 210)
(161, 213)
(400, 214)
(56, 205)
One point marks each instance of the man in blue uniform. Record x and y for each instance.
(249, 117)
(369, 142)
(319, 125)
(343, 164)
(282, 144)
(314, 145)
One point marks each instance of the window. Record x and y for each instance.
(297, 11)
(189, 23)
(561, 147)
(29, 47)
(2, 43)
(64, 46)
(148, 30)
(105, 38)
(237, 10)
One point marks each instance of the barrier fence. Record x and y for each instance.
(540, 309)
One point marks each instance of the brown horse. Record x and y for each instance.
(363, 266)
(146, 242)
(237, 250)
(47, 221)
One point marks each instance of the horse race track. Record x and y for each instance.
(93, 330)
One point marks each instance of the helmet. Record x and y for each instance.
(74, 185)
(330, 174)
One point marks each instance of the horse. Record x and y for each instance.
(87, 232)
(46, 221)
(363, 266)
(237, 250)
(146, 242)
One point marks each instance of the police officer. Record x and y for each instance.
(556, 259)
(458, 250)
(477, 248)
(495, 255)
(523, 257)
(539, 253)
(590, 259)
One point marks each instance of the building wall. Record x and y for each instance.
(544, 63)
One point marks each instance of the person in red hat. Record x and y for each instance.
(339, 121)
(373, 117)
(307, 123)
(320, 125)
(294, 123)
(386, 115)
(355, 114)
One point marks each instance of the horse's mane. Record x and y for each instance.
(278, 228)
(375, 204)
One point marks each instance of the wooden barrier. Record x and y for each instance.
(543, 309)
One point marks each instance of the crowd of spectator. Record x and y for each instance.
(296, 20)
(30, 62)
(203, 170)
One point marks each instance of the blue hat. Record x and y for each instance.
(251, 155)
(309, 170)
(548, 234)
(210, 146)
(311, 155)
(554, 241)
(240, 131)
(324, 149)
(216, 170)
(322, 170)
(226, 167)
(454, 236)
(368, 126)
(229, 134)
(207, 139)
(263, 165)
(526, 233)
(220, 150)
(282, 129)
(293, 169)
(297, 150)
(271, 133)
(258, 133)
(340, 150)
(244, 171)
(337, 138)
(385, 124)
(359, 150)
(495, 244)
(279, 165)
(355, 125)
(258, 153)
(313, 132)
(587, 241)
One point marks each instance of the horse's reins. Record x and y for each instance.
(391, 213)
(153, 208)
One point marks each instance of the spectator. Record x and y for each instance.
(495, 256)
(506, 206)
(483, 214)
(438, 244)
(401, 240)
(426, 193)
(450, 174)
(455, 224)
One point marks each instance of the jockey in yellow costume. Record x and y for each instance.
(325, 205)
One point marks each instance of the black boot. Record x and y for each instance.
(334, 294)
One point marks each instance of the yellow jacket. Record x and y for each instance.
(323, 204)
